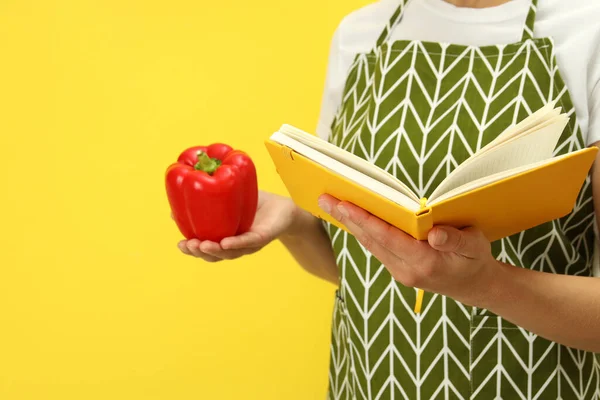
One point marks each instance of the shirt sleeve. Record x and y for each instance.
(333, 88)
(594, 105)
(593, 134)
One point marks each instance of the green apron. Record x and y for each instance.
(419, 109)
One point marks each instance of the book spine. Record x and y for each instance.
(424, 219)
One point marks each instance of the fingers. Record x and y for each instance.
(192, 248)
(243, 241)
(378, 239)
(390, 237)
(394, 262)
(216, 250)
(227, 254)
(211, 251)
(469, 242)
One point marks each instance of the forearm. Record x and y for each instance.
(561, 308)
(310, 246)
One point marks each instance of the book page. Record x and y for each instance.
(348, 159)
(488, 180)
(535, 121)
(347, 172)
(536, 146)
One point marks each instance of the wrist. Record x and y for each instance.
(499, 286)
(295, 226)
(301, 223)
(490, 286)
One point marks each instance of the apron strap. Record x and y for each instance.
(530, 21)
(392, 23)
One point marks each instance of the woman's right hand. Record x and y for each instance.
(275, 217)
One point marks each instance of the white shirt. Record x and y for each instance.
(573, 24)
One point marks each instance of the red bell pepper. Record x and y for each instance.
(213, 192)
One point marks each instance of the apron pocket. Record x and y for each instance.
(510, 362)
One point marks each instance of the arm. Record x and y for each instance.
(307, 239)
(309, 244)
(561, 308)
(459, 264)
(565, 309)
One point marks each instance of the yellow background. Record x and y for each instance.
(97, 97)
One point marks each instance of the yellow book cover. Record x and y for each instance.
(512, 184)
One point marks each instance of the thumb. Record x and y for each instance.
(466, 242)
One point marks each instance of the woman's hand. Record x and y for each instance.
(452, 262)
(274, 217)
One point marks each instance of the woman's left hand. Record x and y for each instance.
(452, 262)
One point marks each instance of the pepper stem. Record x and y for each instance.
(207, 164)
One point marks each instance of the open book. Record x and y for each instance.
(512, 184)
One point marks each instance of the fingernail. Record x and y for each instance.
(324, 206)
(343, 210)
(440, 237)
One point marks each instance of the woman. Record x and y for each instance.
(515, 319)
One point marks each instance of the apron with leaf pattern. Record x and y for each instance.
(418, 109)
